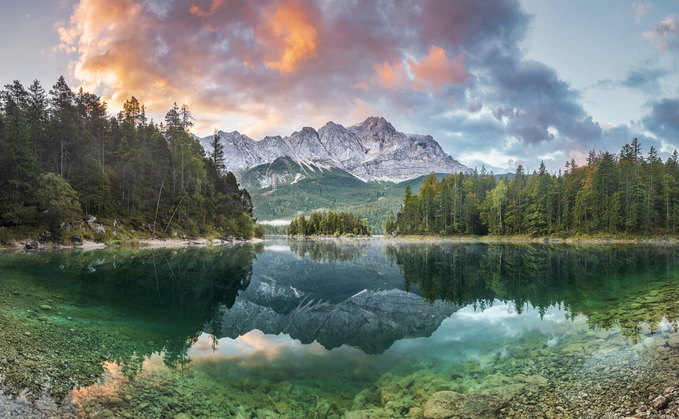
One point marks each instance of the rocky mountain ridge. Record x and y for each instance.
(371, 320)
(372, 151)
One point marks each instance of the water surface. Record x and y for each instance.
(332, 329)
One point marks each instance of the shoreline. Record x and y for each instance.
(20, 245)
(528, 240)
(493, 239)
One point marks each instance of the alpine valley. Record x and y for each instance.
(364, 168)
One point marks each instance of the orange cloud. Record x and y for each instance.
(437, 70)
(258, 67)
(361, 86)
(197, 11)
(294, 38)
(391, 76)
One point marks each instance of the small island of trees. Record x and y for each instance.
(329, 223)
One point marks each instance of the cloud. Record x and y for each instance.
(531, 99)
(663, 120)
(198, 11)
(391, 76)
(453, 69)
(645, 79)
(437, 70)
(290, 29)
(639, 9)
(666, 34)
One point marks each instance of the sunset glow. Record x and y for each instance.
(475, 77)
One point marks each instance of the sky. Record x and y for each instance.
(497, 83)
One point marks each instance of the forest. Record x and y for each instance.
(64, 160)
(537, 276)
(329, 222)
(627, 194)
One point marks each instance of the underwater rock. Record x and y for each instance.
(362, 414)
(673, 341)
(443, 405)
(659, 403)
(449, 404)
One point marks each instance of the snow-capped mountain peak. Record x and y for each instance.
(372, 150)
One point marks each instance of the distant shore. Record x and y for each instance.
(523, 239)
(328, 237)
(137, 243)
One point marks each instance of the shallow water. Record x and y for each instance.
(333, 329)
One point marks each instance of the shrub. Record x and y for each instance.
(259, 231)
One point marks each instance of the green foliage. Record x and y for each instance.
(58, 201)
(330, 188)
(328, 222)
(611, 194)
(151, 178)
(259, 231)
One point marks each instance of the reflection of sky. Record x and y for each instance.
(471, 333)
(254, 342)
(279, 248)
(467, 334)
(258, 351)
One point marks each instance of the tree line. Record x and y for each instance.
(63, 157)
(546, 276)
(626, 193)
(329, 222)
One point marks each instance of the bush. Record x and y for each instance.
(259, 231)
(244, 226)
(58, 200)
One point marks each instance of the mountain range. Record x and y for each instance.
(372, 150)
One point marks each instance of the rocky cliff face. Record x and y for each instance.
(371, 320)
(372, 151)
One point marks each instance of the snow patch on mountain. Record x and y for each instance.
(372, 151)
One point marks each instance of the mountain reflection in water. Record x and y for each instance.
(248, 319)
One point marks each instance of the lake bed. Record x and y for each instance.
(339, 329)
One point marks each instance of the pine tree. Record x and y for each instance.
(217, 151)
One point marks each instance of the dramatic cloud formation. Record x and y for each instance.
(296, 38)
(453, 69)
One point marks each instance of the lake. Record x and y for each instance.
(360, 329)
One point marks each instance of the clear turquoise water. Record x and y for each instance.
(332, 329)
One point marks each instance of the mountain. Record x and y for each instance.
(370, 320)
(302, 187)
(363, 303)
(371, 151)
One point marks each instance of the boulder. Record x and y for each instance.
(443, 405)
(449, 404)
(32, 244)
(673, 341)
(659, 403)
(75, 239)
